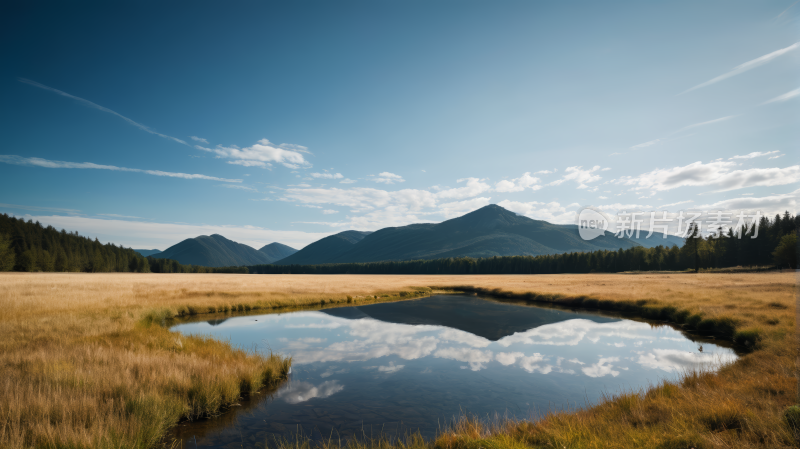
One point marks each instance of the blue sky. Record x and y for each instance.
(302, 119)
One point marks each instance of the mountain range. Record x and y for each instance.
(148, 252)
(486, 232)
(217, 251)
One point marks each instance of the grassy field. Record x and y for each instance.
(86, 363)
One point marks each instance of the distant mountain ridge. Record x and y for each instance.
(148, 252)
(486, 232)
(214, 251)
(277, 251)
(332, 246)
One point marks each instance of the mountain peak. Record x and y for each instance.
(491, 216)
(276, 251)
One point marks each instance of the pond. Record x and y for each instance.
(415, 365)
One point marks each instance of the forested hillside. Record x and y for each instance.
(486, 232)
(776, 244)
(29, 246)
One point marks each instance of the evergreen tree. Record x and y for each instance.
(786, 252)
(28, 261)
(692, 245)
(7, 256)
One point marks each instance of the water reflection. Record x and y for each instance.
(415, 363)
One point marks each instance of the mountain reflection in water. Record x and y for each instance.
(413, 364)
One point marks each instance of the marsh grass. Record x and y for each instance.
(87, 362)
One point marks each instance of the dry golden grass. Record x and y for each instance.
(82, 365)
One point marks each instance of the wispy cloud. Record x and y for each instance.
(327, 175)
(649, 143)
(709, 122)
(199, 139)
(386, 178)
(579, 175)
(101, 108)
(716, 173)
(785, 11)
(787, 96)
(752, 155)
(40, 209)
(46, 163)
(119, 216)
(240, 187)
(685, 128)
(676, 204)
(749, 65)
(526, 181)
(262, 154)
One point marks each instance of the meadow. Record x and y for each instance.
(87, 362)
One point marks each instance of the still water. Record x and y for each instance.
(414, 365)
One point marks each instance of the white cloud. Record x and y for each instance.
(347, 181)
(389, 369)
(775, 157)
(579, 175)
(545, 172)
(601, 368)
(552, 211)
(674, 360)
(262, 154)
(327, 175)
(138, 234)
(101, 108)
(382, 208)
(472, 187)
(458, 208)
(235, 186)
(199, 139)
(386, 178)
(746, 66)
(330, 211)
(768, 205)
(477, 359)
(716, 173)
(258, 164)
(508, 358)
(526, 181)
(753, 155)
(787, 96)
(362, 199)
(46, 163)
(296, 392)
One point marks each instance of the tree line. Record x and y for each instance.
(775, 244)
(29, 246)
